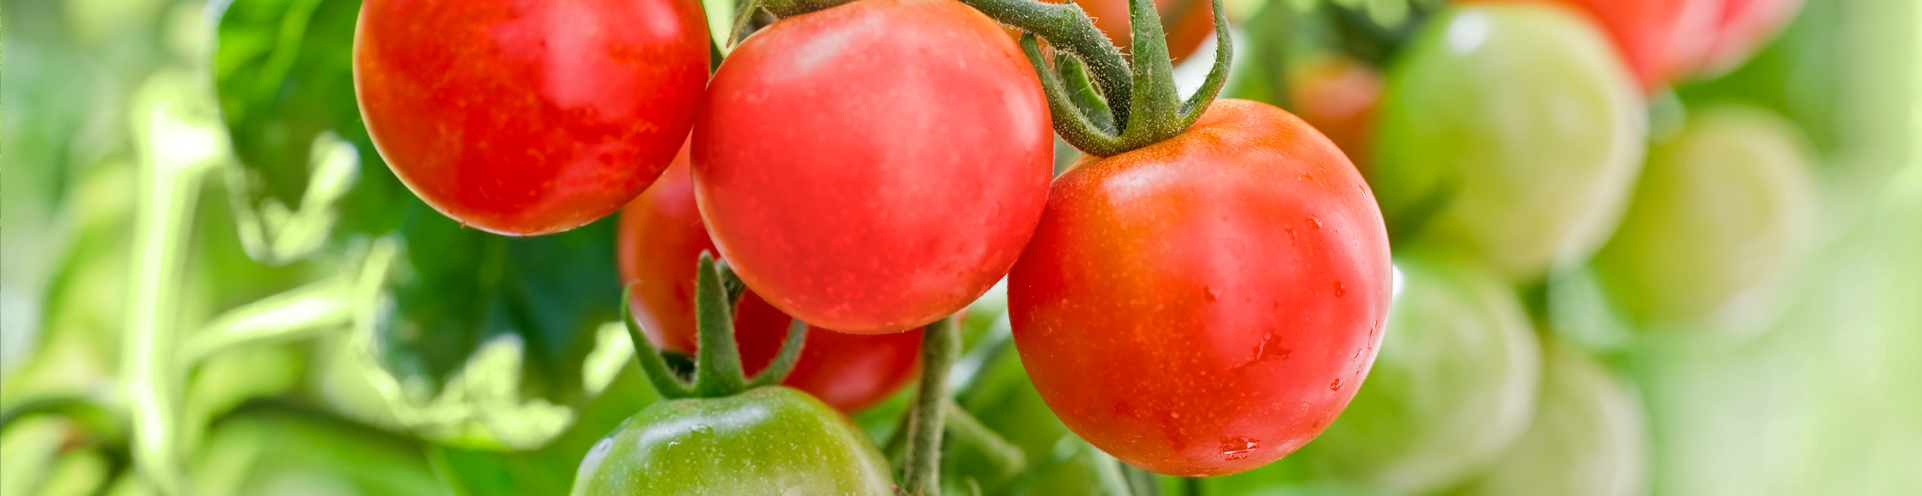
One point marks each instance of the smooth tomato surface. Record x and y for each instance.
(1207, 304)
(661, 240)
(875, 166)
(527, 117)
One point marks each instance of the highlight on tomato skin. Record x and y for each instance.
(1207, 304)
(662, 237)
(585, 102)
(897, 200)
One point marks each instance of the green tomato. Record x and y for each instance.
(1588, 437)
(768, 440)
(1454, 384)
(1715, 223)
(1511, 132)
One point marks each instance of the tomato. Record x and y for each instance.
(875, 166)
(1454, 384)
(1714, 227)
(525, 117)
(1745, 25)
(1206, 304)
(1339, 96)
(1659, 39)
(769, 440)
(1187, 23)
(1509, 132)
(661, 239)
(1587, 438)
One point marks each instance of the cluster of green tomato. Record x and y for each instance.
(1201, 294)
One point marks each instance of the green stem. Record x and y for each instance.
(784, 360)
(717, 363)
(665, 382)
(90, 416)
(939, 348)
(970, 431)
(301, 312)
(1140, 482)
(1068, 28)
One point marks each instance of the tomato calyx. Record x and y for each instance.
(717, 362)
(1107, 123)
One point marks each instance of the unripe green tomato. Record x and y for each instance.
(1454, 384)
(1510, 131)
(1588, 437)
(1715, 223)
(769, 440)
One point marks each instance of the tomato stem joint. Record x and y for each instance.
(717, 363)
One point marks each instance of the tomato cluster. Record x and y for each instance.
(1204, 291)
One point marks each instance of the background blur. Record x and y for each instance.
(211, 285)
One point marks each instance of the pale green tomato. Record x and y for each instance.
(1510, 131)
(766, 441)
(1589, 436)
(1454, 384)
(1715, 224)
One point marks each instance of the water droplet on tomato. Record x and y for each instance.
(1340, 291)
(1291, 237)
(1315, 223)
(1239, 447)
(1336, 386)
(1212, 294)
(703, 429)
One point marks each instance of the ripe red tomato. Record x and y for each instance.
(875, 166)
(1745, 25)
(1207, 304)
(1187, 23)
(1339, 96)
(662, 237)
(525, 117)
(1659, 39)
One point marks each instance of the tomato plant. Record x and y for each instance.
(1715, 223)
(1187, 22)
(1234, 278)
(1454, 384)
(1511, 132)
(661, 238)
(585, 103)
(896, 200)
(728, 433)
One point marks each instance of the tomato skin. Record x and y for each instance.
(1509, 132)
(769, 440)
(1454, 385)
(522, 117)
(909, 180)
(661, 240)
(1205, 305)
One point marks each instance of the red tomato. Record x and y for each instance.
(1338, 95)
(527, 117)
(662, 237)
(874, 166)
(1745, 26)
(1209, 303)
(1187, 23)
(1659, 39)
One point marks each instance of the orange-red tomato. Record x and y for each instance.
(875, 166)
(1745, 26)
(527, 117)
(1207, 304)
(661, 239)
(1660, 40)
